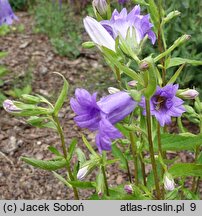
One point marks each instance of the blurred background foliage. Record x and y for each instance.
(64, 28)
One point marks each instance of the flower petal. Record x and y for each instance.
(107, 132)
(98, 33)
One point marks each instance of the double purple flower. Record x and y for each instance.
(6, 13)
(121, 22)
(164, 104)
(101, 115)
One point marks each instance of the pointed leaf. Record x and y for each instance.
(63, 180)
(179, 61)
(83, 185)
(62, 96)
(72, 147)
(186, 169)
(54, 151)
(88, 145)
(176, 74)
(50, 165)
(176, 142)
(81, 156)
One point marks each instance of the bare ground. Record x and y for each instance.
(32, 53)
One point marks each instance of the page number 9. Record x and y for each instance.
(193, 206)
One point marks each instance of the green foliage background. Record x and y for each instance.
(189, 22)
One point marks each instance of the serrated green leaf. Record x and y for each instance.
(72, 147)
(63, 94)
(50, 165)
(186, 169)
(176, 142)
(54, 151)
(179, 61)
(81, 156)
(176, 74)
(50, 125)
(30, 99)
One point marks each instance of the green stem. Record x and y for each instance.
(135, 157)
(200, 124)
(180, 125)
(161, 153)
(143, 169)
(61, 134)
(159, 140)
(128, 171)
(197, 185)
(104, 173)
(151, 149)
(194, 185)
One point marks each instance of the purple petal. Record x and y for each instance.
(6, 13)
(107, 132)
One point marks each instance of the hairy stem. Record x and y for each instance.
(161, 153)
(195, 179)
(135, 157)
(128, 171)
(104, 173)
(151, 149)
(61, 134)
(143, 169)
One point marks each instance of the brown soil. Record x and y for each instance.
(29, 52)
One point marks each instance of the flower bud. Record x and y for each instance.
(82, 173)
(169, 183)
(133, 83)
(30, 99)
(128, 189)
(189, 94)
(88, 45)
(144, 65)
(98, 33)
(113, 90)
(189, 109)
(10, 107)
(101, 6)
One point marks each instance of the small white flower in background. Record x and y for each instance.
(101, 6)
(98, 33)
(113, 90)
(189, 94)
(128, 189)
(82, 173)
(169, 183)
(9, 106)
